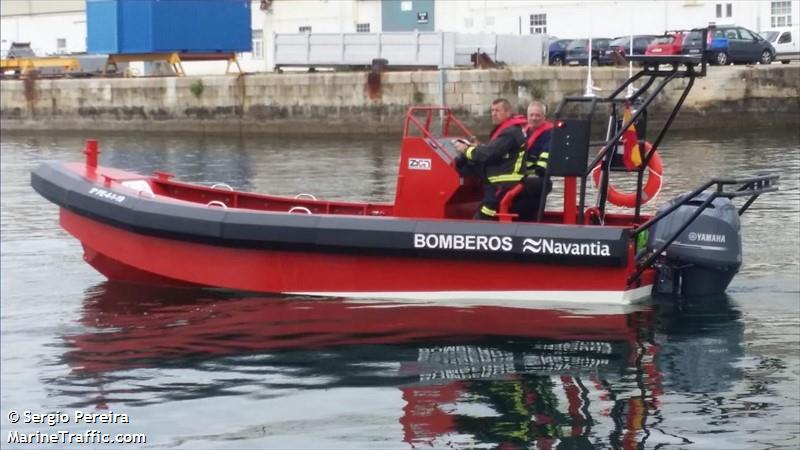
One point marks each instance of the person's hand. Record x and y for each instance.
(461, 145)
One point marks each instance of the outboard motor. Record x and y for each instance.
(706, 255)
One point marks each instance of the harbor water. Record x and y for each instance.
(84, 359)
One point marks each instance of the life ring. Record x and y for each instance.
(653, 186)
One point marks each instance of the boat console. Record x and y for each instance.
(428, 186)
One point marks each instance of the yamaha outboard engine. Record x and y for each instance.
(706, 255)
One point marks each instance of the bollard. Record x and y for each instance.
(91, 150)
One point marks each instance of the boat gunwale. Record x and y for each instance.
(235, 227)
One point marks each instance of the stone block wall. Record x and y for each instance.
(355, 102)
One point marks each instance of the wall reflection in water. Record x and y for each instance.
(500, 376)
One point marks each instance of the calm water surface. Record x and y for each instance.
(204, 369)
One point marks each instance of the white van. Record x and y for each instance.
(786, 43)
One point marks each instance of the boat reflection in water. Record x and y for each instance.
(480, 375)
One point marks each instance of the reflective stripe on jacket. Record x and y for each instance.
(538, 145)
(503, 157)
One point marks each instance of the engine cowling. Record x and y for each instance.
(704, 258)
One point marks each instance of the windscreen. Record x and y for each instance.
(578, 44)
(695, 38)
(770, 36)
(619, 42)
(664, 40)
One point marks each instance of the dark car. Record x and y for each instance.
(578, 51)
(730, 44)
(669, 44)
(558, 51)
(20, 50)
(622, 46)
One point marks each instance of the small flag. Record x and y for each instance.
(632, 156)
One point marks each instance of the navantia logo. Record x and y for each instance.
(546, 246)
(532, 245)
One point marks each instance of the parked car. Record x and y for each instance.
(558, 51)
(669, 44)
(730, 44)
(787, 45)
(622, 46)
(20, 50)
(578, 51)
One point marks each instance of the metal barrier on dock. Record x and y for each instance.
(174, 59)
(21, 66)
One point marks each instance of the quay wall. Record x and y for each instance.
(325, 103)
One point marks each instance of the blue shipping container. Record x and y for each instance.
(161, 26)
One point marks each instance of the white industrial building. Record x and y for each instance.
(59, 26)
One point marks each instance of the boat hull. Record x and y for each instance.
(161, 237)
(124, 255)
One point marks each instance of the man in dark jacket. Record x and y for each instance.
(539, 132)
(501, 161)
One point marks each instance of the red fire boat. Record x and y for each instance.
(158, 230)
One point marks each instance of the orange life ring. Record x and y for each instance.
(655, 168)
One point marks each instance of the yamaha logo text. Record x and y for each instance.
(707, 237)
(546, 246)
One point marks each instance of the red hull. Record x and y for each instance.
(136, 326)
(126, 256)
(442, 356)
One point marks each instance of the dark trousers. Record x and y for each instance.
(490, 203)
(525, 204)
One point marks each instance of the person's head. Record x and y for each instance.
(537, 113)
(501, 110)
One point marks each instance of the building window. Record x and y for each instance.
(781, 14)
(538, 23)
(362, 28)
(304, 29)
(258, 44)
(729, 10)
(61, 45)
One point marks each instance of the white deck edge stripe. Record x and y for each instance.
(597, 297)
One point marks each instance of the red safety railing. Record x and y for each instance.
(422, 124)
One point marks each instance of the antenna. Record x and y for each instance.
(589, 83)
(629, 94)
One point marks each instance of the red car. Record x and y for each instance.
(669, 44)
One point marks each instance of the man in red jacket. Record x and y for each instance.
(501, 161)
(539, 132)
